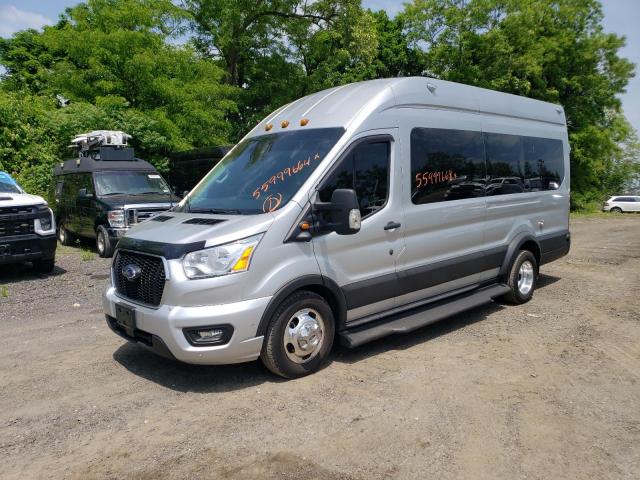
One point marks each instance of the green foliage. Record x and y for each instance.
(203, 72)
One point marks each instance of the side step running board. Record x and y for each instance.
(413, 319)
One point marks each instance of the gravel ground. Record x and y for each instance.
(546, 390)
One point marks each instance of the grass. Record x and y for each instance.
(4, 291)
(87, 255)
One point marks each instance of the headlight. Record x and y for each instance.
(45, 225)
(231, 257)
(116, 218)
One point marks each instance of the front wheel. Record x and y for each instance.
(616, 210)
(522, 278)
(104, 244)
(64, 236)
(44, 266)
(299, 337)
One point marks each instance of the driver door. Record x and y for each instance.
(364, 264)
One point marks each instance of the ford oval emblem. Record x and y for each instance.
(131, 272)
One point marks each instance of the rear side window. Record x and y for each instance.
(446, 165)
(517, 164)
(366, 170)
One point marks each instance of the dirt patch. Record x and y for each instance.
(545, 390)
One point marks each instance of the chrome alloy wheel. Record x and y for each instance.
(525, 277)
(101, 242)
(304, 335)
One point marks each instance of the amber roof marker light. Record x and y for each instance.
(304, 121)
(268, 126)
(284, 124)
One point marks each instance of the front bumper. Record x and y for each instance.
(26, 248)
(161, 329)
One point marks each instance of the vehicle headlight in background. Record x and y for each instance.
(45, 224)
(231, 257)
(116, 218)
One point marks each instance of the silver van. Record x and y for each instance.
(354, 213)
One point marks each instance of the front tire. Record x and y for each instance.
(299, 337)
(104, 245)
(616, 210)
(522, 278)
(64, 236)
(44, 266)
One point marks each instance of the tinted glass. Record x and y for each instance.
(262, 173)
(505, 164)
(446, 165)
(543, 163)
(129, 183)
(518, 164)
(366, 170)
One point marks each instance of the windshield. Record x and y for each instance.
(8, 184)
(262, 173)
(130, 183)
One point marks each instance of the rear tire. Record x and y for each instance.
(44, 266)
(616, 210)
(522, 278)
(104, 244)
(64, 236)
(299, 337)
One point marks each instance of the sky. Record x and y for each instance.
(621, 17)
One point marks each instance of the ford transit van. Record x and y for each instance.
(357, 212)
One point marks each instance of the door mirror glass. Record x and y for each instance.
(84, 193)
(343, 213)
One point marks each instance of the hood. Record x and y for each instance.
(170, 227)
(117, 201)
(20, 200)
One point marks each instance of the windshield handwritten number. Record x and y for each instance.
(272, 202)
(284, 173)
(433, 178)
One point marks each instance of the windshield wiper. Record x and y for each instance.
(152, 193)
(113, 193)
(220, 211)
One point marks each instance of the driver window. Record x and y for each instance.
(366, 170)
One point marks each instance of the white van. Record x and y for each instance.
(353, 213)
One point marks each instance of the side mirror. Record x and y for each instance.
(344, 211)
(83, 193)
(553, 186)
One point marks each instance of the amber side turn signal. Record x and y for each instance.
(305, 226)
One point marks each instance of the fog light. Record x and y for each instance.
(207, 336)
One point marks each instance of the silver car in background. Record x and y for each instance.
(353, 213)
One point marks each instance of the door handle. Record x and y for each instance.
(392, 226)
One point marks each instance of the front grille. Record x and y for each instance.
(18, 210)
(148, 287)
(135, 215)
(15, 227)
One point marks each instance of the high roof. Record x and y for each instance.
(89, 165)
(351, 104)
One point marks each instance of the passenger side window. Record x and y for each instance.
(543, 163)
(505, 164)
(446, 165)
(366, 170)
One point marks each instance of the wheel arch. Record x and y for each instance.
(323, 286)
(523, 241)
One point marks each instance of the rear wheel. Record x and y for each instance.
(64, 236)
(299, 337)
(616, 210)
(44, 266)
(522, 278)
(103, 243)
